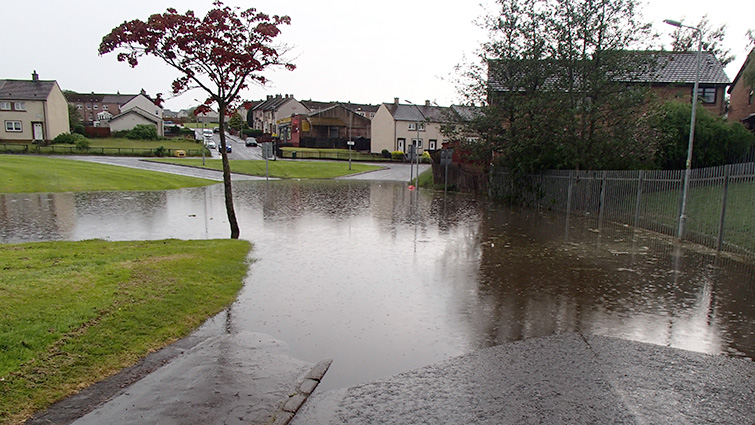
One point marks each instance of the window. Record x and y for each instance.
(417, 142)
(89, 106)
(433, 144)
(79, 106)
(4, 106)
(707, 94)
(95, 107)
(104, 107)
(412, 126)
(19, 106)
(14, 126)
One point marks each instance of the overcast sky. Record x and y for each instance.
(345, 50)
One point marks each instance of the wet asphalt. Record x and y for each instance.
(215, 377)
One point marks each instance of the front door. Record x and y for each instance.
(401, 145)
(38, 133)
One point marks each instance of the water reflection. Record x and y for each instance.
(383, 279)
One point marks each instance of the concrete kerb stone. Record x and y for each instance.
(294, 402)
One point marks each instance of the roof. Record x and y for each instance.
(273, 103)
(139, 111)
(653, 67)
(750, 59)
(26, 89)
(119, 99)
(430, 113)
(680, 67)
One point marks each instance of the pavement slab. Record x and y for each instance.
(565, 379)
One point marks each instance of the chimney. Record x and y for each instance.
(395, 101)
(270, 96)
(34, 76)
(427, 103)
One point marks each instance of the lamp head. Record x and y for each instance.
(673, 22)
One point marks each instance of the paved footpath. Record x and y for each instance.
(562, 379)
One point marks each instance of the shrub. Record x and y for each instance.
(397, 156)
(143, 132)
(82, 144)
(161, 151)
(386, 153)
(69, 139)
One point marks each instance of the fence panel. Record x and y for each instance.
(720, 204)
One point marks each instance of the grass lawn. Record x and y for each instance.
(74, 313)
(25, 173)
(704, 211)
(280, 169)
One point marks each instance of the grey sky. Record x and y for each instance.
(345, 50)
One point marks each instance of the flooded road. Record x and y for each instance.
(384, 280)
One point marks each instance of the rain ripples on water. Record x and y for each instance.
(382, 279)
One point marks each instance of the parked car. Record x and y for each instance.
(211, 144)
(228, 148)
(250, 142)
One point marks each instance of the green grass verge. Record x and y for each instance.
(112, 146)
(280, 169)
(77, 312)
(704, 212)
(24, 174)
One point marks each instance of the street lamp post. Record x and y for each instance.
(688, 170)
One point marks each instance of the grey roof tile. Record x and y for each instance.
(25, 89)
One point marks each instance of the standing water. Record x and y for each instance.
(383, 280)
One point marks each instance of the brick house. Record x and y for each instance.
(741, 102)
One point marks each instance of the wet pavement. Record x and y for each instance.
(384, 280)
(561, 379)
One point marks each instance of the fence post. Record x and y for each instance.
(727, 173)
(569, 192)
(639, 199)
(603, 184)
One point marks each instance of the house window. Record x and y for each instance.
(4, 106)
(95, 107)
(89, 107)
(707, 94)
(79, 106)
(104, 107)
(417, 143)
(412, 126)
(14, 126)
(19, 106)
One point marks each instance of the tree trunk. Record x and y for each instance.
(227, 176)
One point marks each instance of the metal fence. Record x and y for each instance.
(720, 206)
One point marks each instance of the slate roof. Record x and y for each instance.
(25, 89)
(431, 113)
(138, 111)
(119, 99)
(680, 67)
(650, 67)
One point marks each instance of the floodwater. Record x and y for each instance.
(383, 280)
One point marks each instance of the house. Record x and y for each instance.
(741, 102)
(140, 109)
(90, 104)
(330, 127)
(397, 126)
(32, 110)
(673, 78)
(265, 115)
(669, 75)
(363, 109)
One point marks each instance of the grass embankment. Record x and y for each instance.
(74, 313)
(113, 146)
(24, 174)
(280, 169)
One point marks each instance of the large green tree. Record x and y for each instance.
(553, 82)
(220, 54)
(685, 40)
